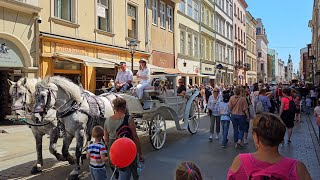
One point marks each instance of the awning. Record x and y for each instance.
(153, 68)
(172, 71)
(88, 61)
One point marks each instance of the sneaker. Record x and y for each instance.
(210, 137)
(216, 137)
(245, 141)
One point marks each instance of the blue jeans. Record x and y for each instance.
(98, 173)
(125, 175)
(225, 129)
(239, 125)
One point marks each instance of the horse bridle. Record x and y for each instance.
(24, 106)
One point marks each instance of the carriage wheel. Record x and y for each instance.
(157, 131)
(194, 118)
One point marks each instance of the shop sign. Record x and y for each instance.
(70, 49)
(208, 69)
(16, 71)
(10, 55)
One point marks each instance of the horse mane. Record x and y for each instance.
(30, 84)
(67, 85)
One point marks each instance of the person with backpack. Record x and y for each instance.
(122, 125)
(287, 111)
(266, 162)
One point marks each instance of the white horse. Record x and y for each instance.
(72, 109)
(22, 93)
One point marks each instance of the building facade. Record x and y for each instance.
(281, 71)
(272, 57)
(315, 44)
(251, 74)
(207, 43)
(305, 65)
(239, 26)
(18, 45)
(262, 52)
(289, 70)
(187, 40)
(223, 27)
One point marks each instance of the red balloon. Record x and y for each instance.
(122, 152)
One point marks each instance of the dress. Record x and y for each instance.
(286, 116)
(143, 82)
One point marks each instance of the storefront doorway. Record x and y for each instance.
(5, 98)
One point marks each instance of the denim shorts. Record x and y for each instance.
(98, 173)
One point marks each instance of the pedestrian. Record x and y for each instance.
(297, 116)
(308, 105)
(264, 100)
(286, 115)
(111, 127)
(214, 109)
(188, 171)
(124, 78)
(316, 114)
(97, 154)
(144, 75)
(313, 96)
(225, 118)
(266, 162)
(239, 113)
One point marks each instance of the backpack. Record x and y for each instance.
(292, 106)
(124, 129)
(258, 105)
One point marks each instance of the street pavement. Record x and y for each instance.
(17, 153)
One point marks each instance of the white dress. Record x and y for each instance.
(143, 82)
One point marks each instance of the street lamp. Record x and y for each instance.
(132, 48)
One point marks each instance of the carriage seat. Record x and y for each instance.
(150, 91)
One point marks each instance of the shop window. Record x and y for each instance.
(155, 12)
(132, 21)
(162, 15)
(104, 18)
(66, 65)
(63, 9)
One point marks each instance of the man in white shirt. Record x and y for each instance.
(124, 78)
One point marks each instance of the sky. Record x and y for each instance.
(286, 24)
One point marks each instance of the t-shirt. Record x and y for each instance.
(238, 105)
(95, 150)
(124, 76)
(317, 110)
(214, 105)
(313, 93)
(145, 73)
(111, 125)
(286, 101)
(308, 102)
(224, 111)
(180, 89)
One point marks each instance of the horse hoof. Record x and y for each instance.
(73, 177)
(35, 170)
(71, 160)
(60, 158)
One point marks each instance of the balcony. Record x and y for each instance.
(27, 6)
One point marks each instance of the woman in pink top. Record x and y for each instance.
(268, 132)
(285, 114)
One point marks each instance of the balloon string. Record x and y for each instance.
(113, 173)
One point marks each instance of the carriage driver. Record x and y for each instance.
(124, 78)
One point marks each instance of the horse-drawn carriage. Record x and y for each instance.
(56, 100)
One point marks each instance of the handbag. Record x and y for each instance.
(252, 113)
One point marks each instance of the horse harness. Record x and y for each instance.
(24, 100)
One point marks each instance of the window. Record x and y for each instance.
(182, 42)
(207, 17)
(211, 21)
(235, 10)
(170, 21)
(230, 10)
(202, 14)
(241, 16)
(259, 54)
(227, 8)
(238, 13)
(104, 22)
(196, 11)
(189, 44)
(132, 21)
(207, 49)
(228, 31)
(222, 5)
(212, 52)
(241, 35)
(196, 46)
(216, 23)
(223, 28)
(190, 8)
(162, 15)
(155, 12)
(262, 66)
(217, 52)
(223, 54)
(235, 31)
(202, 47)
(258, 30)
(231, 33)
(220, 26)
(182, 6)
(63, 9)
(220, 52)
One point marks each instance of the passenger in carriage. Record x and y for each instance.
(181, 91)
(124, 78)
(144, 75)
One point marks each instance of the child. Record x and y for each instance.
(188, 171)
(297, 114)
(308, 104)
(97, 154)
(225, 119)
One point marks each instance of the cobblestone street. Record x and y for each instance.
(17, 153)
